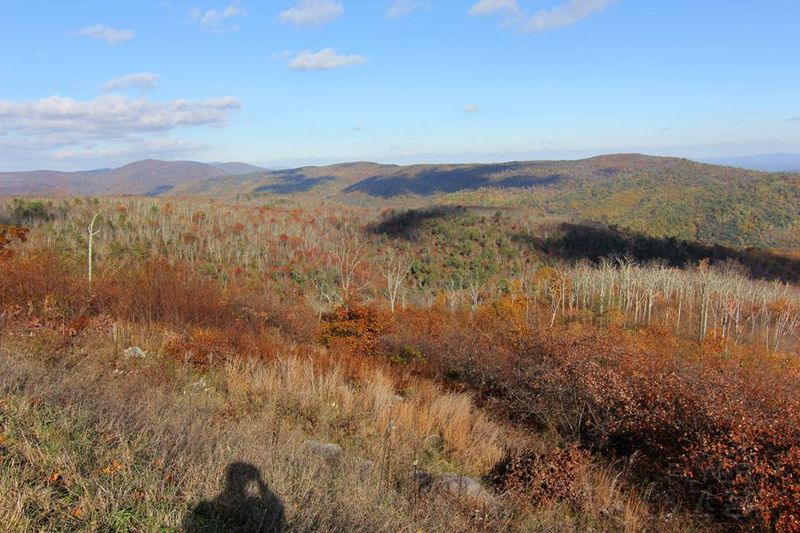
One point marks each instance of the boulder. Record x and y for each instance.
(134, 352)
(326, 450)
(457, 485)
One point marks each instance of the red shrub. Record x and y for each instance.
(9, 235)
(543, 478)
(356, 327)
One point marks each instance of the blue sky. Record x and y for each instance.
(87, 84)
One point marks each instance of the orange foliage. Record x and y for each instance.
(9, 235)
(356, 327)
(720, 430)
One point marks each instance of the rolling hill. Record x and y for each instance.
(662, 197)
(149, 177)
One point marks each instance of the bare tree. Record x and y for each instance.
(395, 272)
(348, 256)
(454, 292)
(475, 288)
(92, 234)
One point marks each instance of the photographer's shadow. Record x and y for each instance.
(237, 509)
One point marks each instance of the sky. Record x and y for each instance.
(91, 83)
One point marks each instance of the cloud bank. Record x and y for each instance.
(110, 116)
(58, 128)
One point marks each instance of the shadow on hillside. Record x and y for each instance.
(293, 182)
(237, 508)
(408, 224)
(595, 242)
(158, 191)
(429, 181)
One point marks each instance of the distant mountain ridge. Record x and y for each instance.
(149, 177)
(154, 177)
(237, 169)
(662, 197)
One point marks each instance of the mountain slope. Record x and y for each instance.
(235, 168)
(662, 197)
(147, 177)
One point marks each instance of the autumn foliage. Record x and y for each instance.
(355, 327)
(9, 235)
(687, 377)
(720, 431)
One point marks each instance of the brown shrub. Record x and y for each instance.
(44, 284)
(356, 327)
(720, 431)
(160, 292)
(543, 478)
(9, 235)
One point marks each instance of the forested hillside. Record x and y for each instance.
(659, 197)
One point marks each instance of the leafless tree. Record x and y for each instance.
(348, 256)
(92, 234)
(395, 271)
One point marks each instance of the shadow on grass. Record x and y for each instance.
(245, 505)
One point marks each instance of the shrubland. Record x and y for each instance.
(586, 392)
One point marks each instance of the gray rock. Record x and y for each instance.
(326, 450)
(457, 485)
(134, 352)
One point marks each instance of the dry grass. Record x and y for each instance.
(138, 442)
(423, 426)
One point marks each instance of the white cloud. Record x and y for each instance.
(471, 109)
(312, 12)
(111, 36)
(401, 8)
(325, 59)
(565, 14)
(57, 129)
(491, 7)
(560, 16)
(138, 80)
(794, 119)
(58, 119)
(218, 20)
